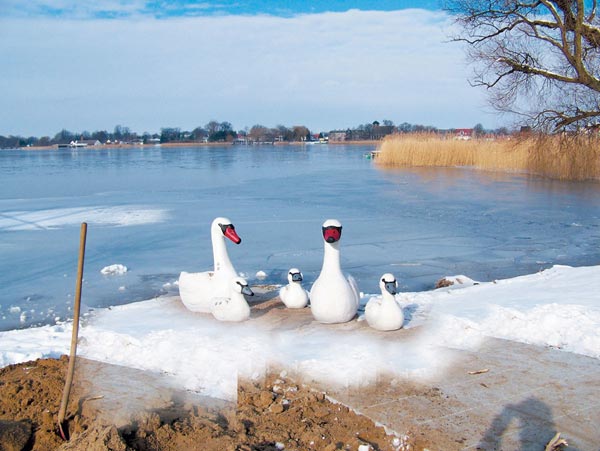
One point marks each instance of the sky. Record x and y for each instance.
(87, 66)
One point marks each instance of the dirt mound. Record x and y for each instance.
(273, 414)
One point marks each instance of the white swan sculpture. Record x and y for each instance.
(383, 312)
(333, 297)
(234, 307)
(197, 290)
(293, 295)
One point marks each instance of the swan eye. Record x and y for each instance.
(224, 227)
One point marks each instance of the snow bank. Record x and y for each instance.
(559, 307)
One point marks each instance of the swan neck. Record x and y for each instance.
(331, 257)
(220, 255)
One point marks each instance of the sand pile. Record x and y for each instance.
(273, 414)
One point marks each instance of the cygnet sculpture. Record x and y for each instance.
(234, 307)
(292, 294)
(384, 312)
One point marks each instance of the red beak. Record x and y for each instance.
(232, 235)
(332, 234)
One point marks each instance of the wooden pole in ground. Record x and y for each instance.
(77, 304)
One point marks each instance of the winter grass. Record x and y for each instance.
(559, 157)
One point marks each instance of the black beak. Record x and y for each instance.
(245, 289)
(390, 287)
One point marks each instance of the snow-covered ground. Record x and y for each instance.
(559, 307)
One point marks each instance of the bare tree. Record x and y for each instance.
(300, 133)
(258, 133)
(538, 58)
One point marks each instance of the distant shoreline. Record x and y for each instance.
(201, 144)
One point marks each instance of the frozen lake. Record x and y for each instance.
(150, 209)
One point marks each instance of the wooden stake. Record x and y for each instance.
(77, 304)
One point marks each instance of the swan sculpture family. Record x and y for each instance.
(334, 297)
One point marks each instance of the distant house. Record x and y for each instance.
(85, 143)
(337, 135)
(463, 133)
(357, 135)
(525, 130)
(381, 131)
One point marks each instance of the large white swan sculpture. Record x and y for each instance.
(197, 290)
(333, 297)
(383, 312)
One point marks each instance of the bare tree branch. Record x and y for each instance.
(539, 59)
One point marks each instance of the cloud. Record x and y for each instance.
(328, 70)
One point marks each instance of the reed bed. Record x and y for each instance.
(574, 157)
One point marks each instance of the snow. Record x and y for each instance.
(119, 216)
(559, 307)
(114, 270)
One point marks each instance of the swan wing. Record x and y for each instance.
(354, 287)
(195, 289)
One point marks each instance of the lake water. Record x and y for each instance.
(150, 209)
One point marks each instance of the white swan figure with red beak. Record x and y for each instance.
(334, 298)
(383, 312)
(198, 290)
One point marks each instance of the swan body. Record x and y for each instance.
(293, 295)
(234, 307)
(333, 297)
(383, 312)
(197, 290)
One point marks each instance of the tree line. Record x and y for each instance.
(215, 131)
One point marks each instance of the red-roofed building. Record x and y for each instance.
(463, 133)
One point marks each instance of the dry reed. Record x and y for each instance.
(573, 157)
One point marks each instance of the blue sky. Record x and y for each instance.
(167, 9)
(87, 65)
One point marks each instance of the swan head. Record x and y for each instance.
(224, 226)
(332, 230)
(388, 283)
(241, 286)
(294, 275)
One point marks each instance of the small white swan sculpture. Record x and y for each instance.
(333, 297)
(383, 312)
(234, 307)
(197, 290)
(293, 295)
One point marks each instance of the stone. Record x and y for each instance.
(14, 435)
